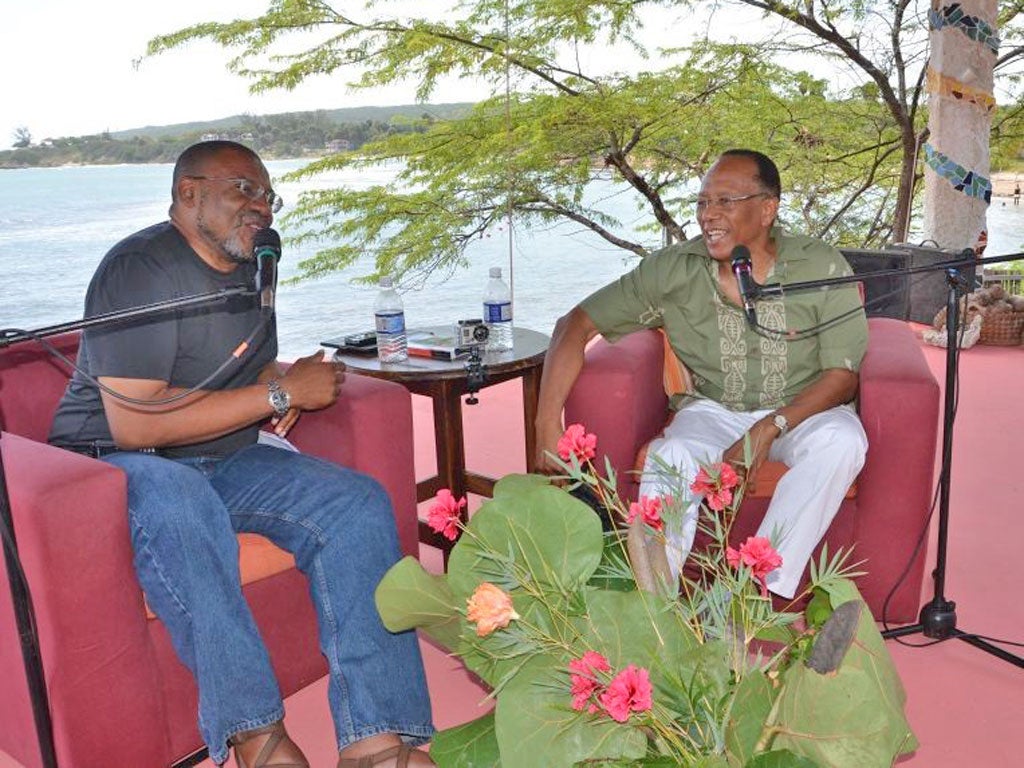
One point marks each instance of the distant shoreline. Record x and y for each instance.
(1003, 183)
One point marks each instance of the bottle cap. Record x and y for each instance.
(496, 272)
(385, 282)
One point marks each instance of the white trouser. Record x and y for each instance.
(824, 454)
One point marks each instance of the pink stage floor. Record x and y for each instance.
(965, 705)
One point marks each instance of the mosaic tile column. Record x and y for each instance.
(958, 187)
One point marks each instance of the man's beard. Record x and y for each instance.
(231, 245)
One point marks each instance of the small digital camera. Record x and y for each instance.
(471, 333)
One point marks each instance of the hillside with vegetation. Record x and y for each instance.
(291, 134)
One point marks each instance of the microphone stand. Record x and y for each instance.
(21, 599)
(937, 619)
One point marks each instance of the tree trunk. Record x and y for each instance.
(957, 178)
(905, 191)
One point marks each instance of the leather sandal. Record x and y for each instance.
(277, 735)
(401, 753)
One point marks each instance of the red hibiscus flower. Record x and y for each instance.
(584, 684)
(575, 441)
(443, 515)
(650, 510)
(629, 691)
(759, 556)
(716, 484)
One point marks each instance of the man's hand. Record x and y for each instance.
(547, 446)
(311, 383)
(759, 437)
(834, 387)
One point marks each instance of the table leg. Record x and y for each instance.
(451, 458)
(451, 452)
(531, 391)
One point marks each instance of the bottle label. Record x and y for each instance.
(495, 312)
(390, 322)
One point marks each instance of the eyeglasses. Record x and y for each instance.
(725, 203)
(250, 189)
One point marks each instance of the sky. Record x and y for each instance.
(67, 70)
(77, 67)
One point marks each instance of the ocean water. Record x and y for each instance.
(56, 224)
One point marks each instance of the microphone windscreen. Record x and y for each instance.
(740, 254)
(267, 238)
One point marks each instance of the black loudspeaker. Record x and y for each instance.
(929, 290)
(888, 296)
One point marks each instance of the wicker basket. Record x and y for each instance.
(1002, 328)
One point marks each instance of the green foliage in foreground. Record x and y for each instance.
(716, 703)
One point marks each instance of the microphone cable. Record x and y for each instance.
(235, 355)
(815, 330)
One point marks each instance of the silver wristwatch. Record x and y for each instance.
(280, 400)
(782, 423)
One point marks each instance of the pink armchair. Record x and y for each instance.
(117, 693)
(620, 397)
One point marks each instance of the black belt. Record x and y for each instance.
(98, 449)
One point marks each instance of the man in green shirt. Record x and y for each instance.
(784, 387)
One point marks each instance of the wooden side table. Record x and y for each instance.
(445, 382)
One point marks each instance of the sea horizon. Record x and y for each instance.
(56, 223)
(71, 215)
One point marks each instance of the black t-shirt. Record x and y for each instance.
(182, 347)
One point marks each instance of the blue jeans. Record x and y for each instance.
(338, 524)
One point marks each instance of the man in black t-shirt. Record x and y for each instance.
(158, 403)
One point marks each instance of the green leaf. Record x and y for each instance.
(819, 608)
(751, 705)
(636, 628)
(471, 745)
(498, 656)
(853, 717)
(409, 597)
(531, 534)
(536, 725)
(781, 758)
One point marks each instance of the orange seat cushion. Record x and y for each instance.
(258, 558)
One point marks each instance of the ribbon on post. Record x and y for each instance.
(968, 182)
(944, 85)
(975, 28)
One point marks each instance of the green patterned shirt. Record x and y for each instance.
(676, 288)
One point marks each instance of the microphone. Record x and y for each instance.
(266, 248)
(749, 290)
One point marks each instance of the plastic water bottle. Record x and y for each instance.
(389, 316)
(498, 313)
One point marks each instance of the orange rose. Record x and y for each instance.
(490, 608)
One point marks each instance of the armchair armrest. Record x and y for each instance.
(620, 397)
(71, 526)
(899, 408)
(369, 429)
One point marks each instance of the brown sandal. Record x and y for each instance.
(277, 735)
(400, 752)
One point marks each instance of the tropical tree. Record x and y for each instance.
(553, 124)
(22, 138)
